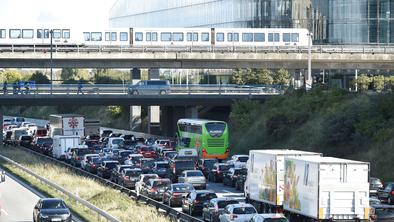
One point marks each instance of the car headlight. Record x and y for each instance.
(44, 216)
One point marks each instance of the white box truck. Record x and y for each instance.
(67, 125)
(264, 185)
(62, 143)
(326, 188)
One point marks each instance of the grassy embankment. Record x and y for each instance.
(112, 201)
(337, 123)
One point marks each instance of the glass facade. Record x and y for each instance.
(210, 13)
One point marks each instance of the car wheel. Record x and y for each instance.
(162, 92)
(134, 92)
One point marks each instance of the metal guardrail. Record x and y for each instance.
(123, 89)
(385, 49)
(100, 213)
(179, 216)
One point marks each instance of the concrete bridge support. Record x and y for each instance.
(135, 111)
(154, 111)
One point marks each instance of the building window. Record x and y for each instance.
(123, 36)
(295, 37)
(27, 33)
(113, 36)
(220, 37)
(165, 36)
(205, 36)
(233, 37)
(66, 33)
(15, 33)
(286, 37)
(86, 36)
(139, 37)
(259, 37)
(177, 36)
(96, 36)
(247, 37)
(57, 34)
(2, 33)
(107, 36)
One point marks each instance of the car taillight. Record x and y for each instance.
(94, 165)
(177, 194)
(227, 150)
(153, 190)
(78, 158)
(204, 150)
(196, 201)
(392, 192)
(233, 216)
(126, 178)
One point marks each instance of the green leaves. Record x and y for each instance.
(260, 77)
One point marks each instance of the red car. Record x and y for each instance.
(148, 152)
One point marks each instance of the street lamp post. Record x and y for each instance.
(51, 33)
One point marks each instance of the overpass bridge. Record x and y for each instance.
(214, 57)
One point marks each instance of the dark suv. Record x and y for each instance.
(194, 202)
(206, 165)
(77, 156)
(232, 175)
(386, 194)
(217, 172)
(105, 168)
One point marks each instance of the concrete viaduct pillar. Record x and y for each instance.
(135, 111)
(154, 111)
(170, 116)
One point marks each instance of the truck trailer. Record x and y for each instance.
(264, 185)
(67, 125)
(61, 144)
(326, 189)
(92, 127)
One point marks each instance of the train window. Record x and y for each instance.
(247, 37)
(139, 36)
(192, 36)
(165, 36)
(107, 36)
(46, 33)
(148, 36)
(295, 37)
(205, 36)
(40, 33)
(27, 33)
(66, 33)
(96, 36)
(286, 37)
(259, 37)
(177, 36)
(233, 37)
(276, 37)
(220, 37)
(113, 36)
(273, 37)
(57, 34)
(123, 36)
(86, 36)
(2, 33)
(154, 36)
(15, 33)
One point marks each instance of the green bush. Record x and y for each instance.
(378, 83)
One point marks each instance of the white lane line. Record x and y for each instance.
(5, 212)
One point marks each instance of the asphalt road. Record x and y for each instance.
(17, 201)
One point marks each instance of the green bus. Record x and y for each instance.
(209, 137)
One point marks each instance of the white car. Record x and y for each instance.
(143, 180)
(194, 177)
(86, 159)
(269, 217)
(239, 161)
(114, 142)
(238, 213)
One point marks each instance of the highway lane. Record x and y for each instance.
(17, 201)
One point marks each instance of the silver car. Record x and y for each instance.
(194, 177)
(150, 87)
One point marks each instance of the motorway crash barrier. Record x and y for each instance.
(171, 212)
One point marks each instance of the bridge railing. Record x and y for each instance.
(363, 49)
(123, 89)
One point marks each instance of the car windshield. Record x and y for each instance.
(243, 159)
(117, 141)
(156, 83)
(375, 181)
(224, 167)
(133, 173)
(384, 212)
(96, 160)
(276, 220)
(244, 210)
(161, 183)
(81, 152)
(224, 203)
(205, 196)
(184, 164)
(162, 165)
(147, 149)
(182, 187)
(125, 154)
(111, 165)
(149, 163)
(52, 204)
(210, 163)
(44, 140)
(195, 174)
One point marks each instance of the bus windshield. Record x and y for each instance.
(215, 128)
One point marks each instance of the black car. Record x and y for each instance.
(92, 164)
(382, 212)
(386, 194)
(374, 185)
(116, 172)
(194, 202)
(128, 177)
(106, 168)
(146, 164)
(123, 155)
(40, 144)
(174, 194)
(232, 175)
(206, 165)
(217, 172)
(240, 182)
(161, 168)
(178, 166)
(51, 209)
(25, 141)
(214, 208)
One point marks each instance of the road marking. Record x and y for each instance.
(5, 212)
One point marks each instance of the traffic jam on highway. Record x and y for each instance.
(277, 184)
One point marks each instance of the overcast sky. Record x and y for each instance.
(81, 13)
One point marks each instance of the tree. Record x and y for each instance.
(281, 77)
(363, 82)
(39, 78)
(68, 73)
(378, 83)
(252, 77)
(12, 75)
(390, 82)
(264, 77)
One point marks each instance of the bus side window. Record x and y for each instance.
(185, 142)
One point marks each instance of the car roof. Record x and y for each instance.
(382, 206)
(266, 216)
(187, 171)
(49, 199)
(240, 205)
(204, 191)
(224, 199)
(132, 169)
